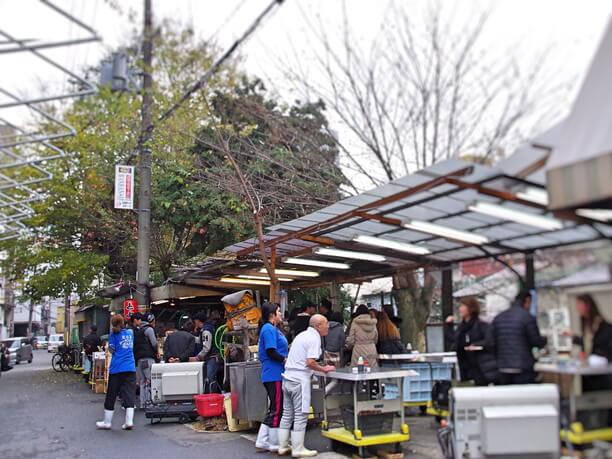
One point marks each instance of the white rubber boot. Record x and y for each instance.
(273, 441)
(297, 445)
(129, 419)
(261, 443)
(283, 442)
(108, 419)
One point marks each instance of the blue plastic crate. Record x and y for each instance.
(418, 388)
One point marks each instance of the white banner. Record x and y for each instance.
(124, 187)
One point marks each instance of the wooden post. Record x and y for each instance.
(334, 297)
(274, 284)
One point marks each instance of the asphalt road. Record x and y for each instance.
(45, 414)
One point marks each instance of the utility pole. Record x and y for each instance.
(144, 164)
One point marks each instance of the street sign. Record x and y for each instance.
(130, 306)
(124, 187)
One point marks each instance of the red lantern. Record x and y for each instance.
(130, 306)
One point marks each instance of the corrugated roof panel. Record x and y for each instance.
(386, 190)
(446, 167)
(530, 242)
(359, 200)
(417, 213)
(576, 233)
(410, 181)
(605, 229)
(337, 209)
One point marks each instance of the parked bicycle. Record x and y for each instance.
(66, 358)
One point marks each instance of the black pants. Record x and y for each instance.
(525, 377)
(275, 409)
(123, 384)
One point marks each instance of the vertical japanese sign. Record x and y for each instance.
(124, 187)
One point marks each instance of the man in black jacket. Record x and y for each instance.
(90, 345)
(180, 345)
(145, 354)
(514, 333)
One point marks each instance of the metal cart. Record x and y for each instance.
(365, 402)
(568, 376)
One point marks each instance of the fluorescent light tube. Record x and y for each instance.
(246, 276)
(524, 218)
(236, 280)
(291, 272)
(318, 263)
(445, 232)
(532, 194)
(389, 244)
(602, 215)
(348, 254)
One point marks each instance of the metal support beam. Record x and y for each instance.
(529, 279)
(447, 291)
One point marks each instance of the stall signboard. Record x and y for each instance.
(124, 187)
(130, 306)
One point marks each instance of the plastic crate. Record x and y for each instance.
(369, 423)
(418, 388)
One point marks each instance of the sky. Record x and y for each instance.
(568, 29)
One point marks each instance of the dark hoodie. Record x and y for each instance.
(334, 341)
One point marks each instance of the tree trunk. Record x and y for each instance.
(414, 304)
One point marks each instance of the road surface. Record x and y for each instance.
(52, 415)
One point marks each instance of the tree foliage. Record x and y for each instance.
(77, 232)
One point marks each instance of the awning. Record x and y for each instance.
(580, 167)
(450, 212)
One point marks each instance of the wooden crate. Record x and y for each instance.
(99, 386)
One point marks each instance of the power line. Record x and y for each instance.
(211, 71)
(227, 20)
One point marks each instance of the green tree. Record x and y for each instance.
(193, 211)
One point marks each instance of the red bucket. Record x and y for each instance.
(209, 405)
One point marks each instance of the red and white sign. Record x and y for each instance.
(124, 187)
(130, 306)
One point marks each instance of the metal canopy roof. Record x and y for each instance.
(439, 194)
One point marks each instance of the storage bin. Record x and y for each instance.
(370, 423)
(418, 388)
(209, 405)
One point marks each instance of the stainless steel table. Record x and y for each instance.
(418, 357)
(356, 438)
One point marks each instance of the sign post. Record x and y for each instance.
(124, 187)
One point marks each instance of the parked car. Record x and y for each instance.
(20, 350)
(42, 342)
(55, 341)
(4, 358)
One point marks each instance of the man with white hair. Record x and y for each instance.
(299, 367)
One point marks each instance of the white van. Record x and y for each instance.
(55, 341)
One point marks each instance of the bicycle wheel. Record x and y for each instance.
(56, 362)
(65, 362)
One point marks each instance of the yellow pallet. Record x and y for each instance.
(415, 404)
(436, 412)
(344, 436)
(576, 435)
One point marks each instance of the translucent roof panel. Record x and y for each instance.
(445, 204)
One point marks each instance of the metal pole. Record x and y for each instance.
(144, 166)
(67, 331)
